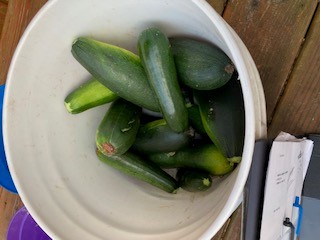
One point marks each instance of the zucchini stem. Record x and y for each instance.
(235, 159)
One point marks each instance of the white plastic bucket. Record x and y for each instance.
(51, 153)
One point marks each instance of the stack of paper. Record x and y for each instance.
(288, 163)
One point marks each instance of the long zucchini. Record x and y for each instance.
(156, 57)
(118, 129)
(205, 157)
(135, 166)
(118, 69)
(222, 114)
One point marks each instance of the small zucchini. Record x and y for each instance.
(135, 166)
(205, 157)
(157, 60)
(193, 180)
(157, 136)
(88, 95)
(201, 65)
(118, 129)
(118, 69)
(223, 118)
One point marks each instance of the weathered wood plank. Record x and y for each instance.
(233, 232)
(19, 14)
(9, 204)
(3, 11)
(260, 19)
(232, 228)
(218, 5)
(273, 31)
(298, 111)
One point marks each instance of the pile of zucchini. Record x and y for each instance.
(178, 105)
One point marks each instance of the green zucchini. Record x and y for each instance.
(223, 117)
(156, 57)
(193, 180)
(88, 95)
(206, 157)
(118, 69)
(135, 166)
(118, 129)
(201, 65)
(157, 136)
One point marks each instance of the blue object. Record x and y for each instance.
(5, 177)
(298, 205)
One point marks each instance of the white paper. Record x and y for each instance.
(288, 163)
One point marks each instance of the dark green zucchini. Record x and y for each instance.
(223, 117)
(201, 65)
(88, 95)
(156, 57)
(135, 166)
(193, 180)
(157, 136)
(118, 69)
(205, 157)
(118, 129)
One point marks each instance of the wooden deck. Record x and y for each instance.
(283, 37)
